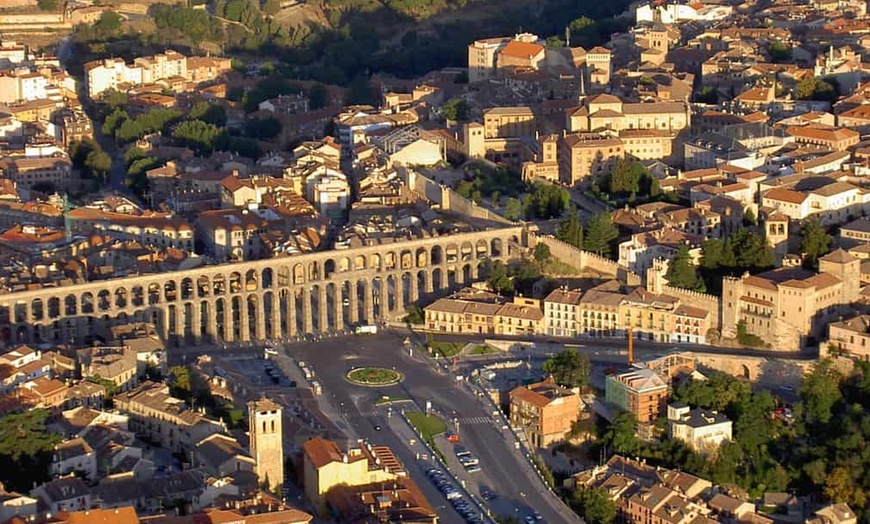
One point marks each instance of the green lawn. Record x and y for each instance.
(447, 349)
(482, 349)
(427, 425)
(387, 399)
(374, 376)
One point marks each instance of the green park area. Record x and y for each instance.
(446, 349)
(427, 425)
(374, 376)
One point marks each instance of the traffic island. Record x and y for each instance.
(374, 377)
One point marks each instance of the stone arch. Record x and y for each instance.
(467, 274)
(466, 250)
(219, 284)
(438, 278)
(390, 261)
(267, 278)
(329, 268)
(746, 372)
(121, 297)
(496, 247)
(407, 279)
(104, 300)
(69, 306)
(236, 312)
(406, 259)
(344, 265)
(451, 278)
(170, 290)
(393, 300)
(37, 309)
(451, 253)
(514, 246)
(153, 293)
(436, 255)
(421, 257)
(314, 270)
(202, 322)
(203, 287)
(252, 316)
(480, 249)
(235, 282)
(298, 274)
(87, 303)
(423, 283)
(375, 261)
(219, 314)
(359, 262)
(251, 280)
(268, 298)
(137, 296)
(186, 288)
(283, 276)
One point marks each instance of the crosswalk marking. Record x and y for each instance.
(475, 420)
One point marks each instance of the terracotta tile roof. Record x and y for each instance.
(782, 194)
(819, 132)
(839, 257)
(321, 452)
(759, 282)
(517, 49)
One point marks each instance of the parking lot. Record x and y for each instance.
(260, 371)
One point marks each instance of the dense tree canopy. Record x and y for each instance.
(570, 368)
(26, 448)
(599, 234)
(815, 243)
(743, 251)
(683, 273)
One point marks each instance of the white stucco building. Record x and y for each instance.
(702, 430)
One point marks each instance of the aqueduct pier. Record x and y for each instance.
(262, 299)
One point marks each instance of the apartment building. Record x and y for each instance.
(605, 111)
(491, 314)
(26, 172)
(641, 392)
(702, 430)
(585, 155)
(326, 466)
(787, 306)
(509, 122)
(164, 419)
(560, 312)
(545, 411)
(835, 138)
(834, 203)
(171, 67)
(858, 229)
(641, 250)
(850, 336)
(485, 56)
(162, 230)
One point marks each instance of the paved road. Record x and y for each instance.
(641, 347)
(510, 476)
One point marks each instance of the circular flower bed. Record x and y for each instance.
(374, 376)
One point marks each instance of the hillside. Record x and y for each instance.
(336, 41)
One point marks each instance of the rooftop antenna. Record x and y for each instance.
(567, 37)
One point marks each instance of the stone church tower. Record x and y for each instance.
(267, 441)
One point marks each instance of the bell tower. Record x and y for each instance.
(267, 441)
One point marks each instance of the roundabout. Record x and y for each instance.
(371, 376)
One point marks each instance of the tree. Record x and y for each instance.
(779, 52)
(360, 92)
(542, 252)
(512, 209)
(749, 218)
(271, 7)
(209, 112)
(812, 88)
(456, 110)
(569, 368)
(554, 42)
(621, 435)
(114, 121)
(414, 315)
(499, 281)
(317, 97)
(683, 273)
(594, 505)
(819, 392)
(570, 230)
(262, 128)
(840, 486)
(815, 243)
(599, 233)
(26, 448)
(99, 162)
